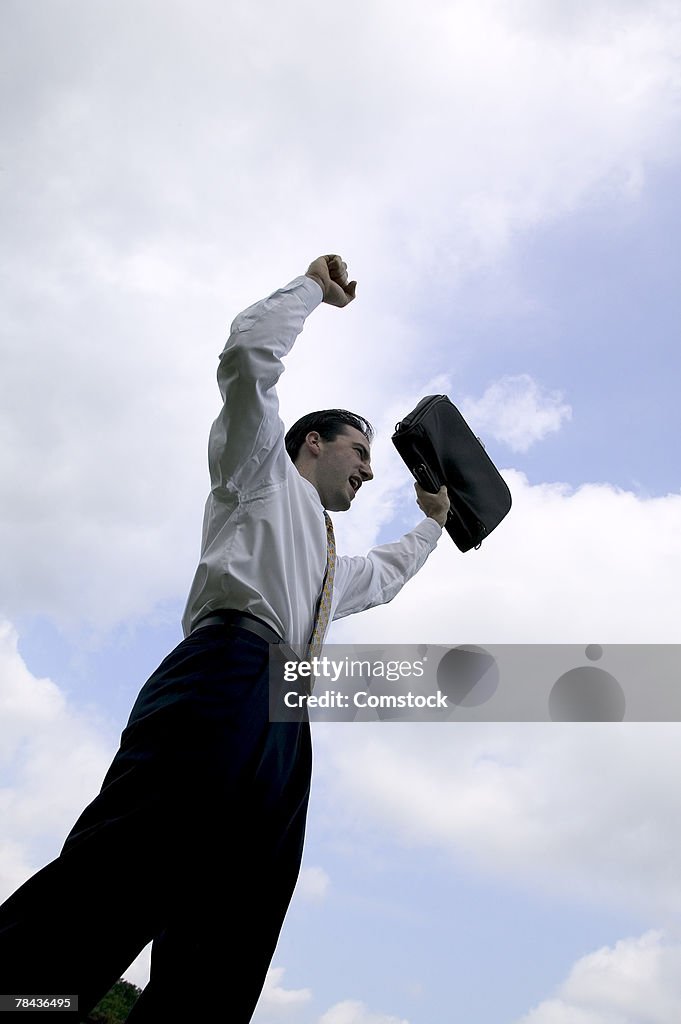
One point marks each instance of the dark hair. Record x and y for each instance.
(328, 423)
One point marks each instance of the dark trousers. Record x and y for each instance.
(195, 841)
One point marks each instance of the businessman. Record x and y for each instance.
(195, 839)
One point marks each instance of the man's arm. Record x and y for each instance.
(246, 439)
(364, 582)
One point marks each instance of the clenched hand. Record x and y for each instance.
(331, 274)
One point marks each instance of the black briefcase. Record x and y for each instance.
(440, 448)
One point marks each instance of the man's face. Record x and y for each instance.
(342, 466)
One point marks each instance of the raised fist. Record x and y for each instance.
(331, 274)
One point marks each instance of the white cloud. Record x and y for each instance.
(516, 410)
(555, 571)
(351, 1011)
(53, 759)
(313, 884)
(638, 981)
(591, 565)
(278, 1003)
(275, 995)
(144, 210)
(568, 810)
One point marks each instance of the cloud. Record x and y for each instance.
(144, 210)
(635, 982)
(351, 1011)
(554, 571)
(583, 811)
(313, 884)
(278, 1003)
(275, 995)
(567, 566)
(516, 410)
(53, 759)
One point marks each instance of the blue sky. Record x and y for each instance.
(503, 183)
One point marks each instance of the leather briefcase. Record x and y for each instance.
(439, 448)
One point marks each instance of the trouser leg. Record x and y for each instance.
(211, 959)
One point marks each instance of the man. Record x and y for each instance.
(196, 838)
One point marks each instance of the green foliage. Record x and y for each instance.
(116, 1004)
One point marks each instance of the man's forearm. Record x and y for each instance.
(377, 578)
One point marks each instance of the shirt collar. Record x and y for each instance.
(311, 490)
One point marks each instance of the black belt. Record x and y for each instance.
(244, 620)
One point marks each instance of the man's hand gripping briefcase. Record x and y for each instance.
(439, 448)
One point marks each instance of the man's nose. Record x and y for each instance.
(366, 471)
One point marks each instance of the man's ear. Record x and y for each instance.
(312, 442)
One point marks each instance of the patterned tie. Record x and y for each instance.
(324, 605)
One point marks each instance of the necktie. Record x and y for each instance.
(324, 604)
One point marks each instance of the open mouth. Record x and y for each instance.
(355, 483)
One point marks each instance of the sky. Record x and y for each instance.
(503, 182)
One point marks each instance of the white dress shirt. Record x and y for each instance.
(264, 536)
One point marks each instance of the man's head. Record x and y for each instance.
(331, 449)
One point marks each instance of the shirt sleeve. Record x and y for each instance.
(246, 445)
(363, 582)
